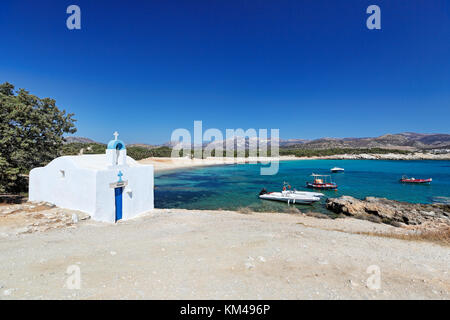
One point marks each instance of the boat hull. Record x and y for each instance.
(294, 199)
(416, 181)
(308, 193)
(322, 186)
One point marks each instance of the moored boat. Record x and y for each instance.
(336, 170)
(291, 195)
(323, 182)
(405, 179)
(287, 187)
(308, 193)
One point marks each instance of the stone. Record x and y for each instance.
(352, 283)
(23, 230)
(8, 211)
(249, 265)
(389, 211)
(7, 292)
(83, 216)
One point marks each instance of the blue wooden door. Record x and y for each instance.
(118, 200)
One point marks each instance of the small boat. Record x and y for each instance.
(287, 186)
(308, 193)
(291, 196)
(336, 170)
(322, 181)
(405, 179)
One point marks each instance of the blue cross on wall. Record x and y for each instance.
(120, 174)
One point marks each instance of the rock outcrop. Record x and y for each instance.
(390, 211)
(36, 217)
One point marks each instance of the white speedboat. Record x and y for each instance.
(289, 197)
(336, 170)
(308, 193)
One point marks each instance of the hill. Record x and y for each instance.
(397, 143)
(407, 141)
(78, 140)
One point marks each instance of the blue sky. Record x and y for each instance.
(310, 68)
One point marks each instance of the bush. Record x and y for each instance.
(74, 148)
(31, 135)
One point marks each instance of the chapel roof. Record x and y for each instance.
(94, 161)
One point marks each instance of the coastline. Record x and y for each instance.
(169, 164)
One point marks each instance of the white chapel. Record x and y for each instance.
(109, 187)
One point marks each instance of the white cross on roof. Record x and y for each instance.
(115, 134)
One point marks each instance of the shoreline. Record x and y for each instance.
(162, 164)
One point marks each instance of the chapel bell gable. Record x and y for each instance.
(116, 153)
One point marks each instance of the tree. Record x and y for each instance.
(31, 135)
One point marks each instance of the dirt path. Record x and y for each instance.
(182, 254)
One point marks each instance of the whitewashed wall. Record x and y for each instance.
(139, 200)
(88, 190)
(74, 191)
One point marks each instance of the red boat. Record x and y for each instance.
(322, 182)
(405, 179)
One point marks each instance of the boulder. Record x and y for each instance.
(25, 218)
(390, 211)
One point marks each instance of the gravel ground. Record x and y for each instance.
(181, 254)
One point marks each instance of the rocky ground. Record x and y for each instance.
(23, 218)
(429, 216)
(191, 254)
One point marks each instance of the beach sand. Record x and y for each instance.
(167, 164)
(183, 254)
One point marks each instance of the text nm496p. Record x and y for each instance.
(227, 309)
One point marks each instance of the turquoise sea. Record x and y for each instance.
(237, 186)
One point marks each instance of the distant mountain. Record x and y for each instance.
(409, 141)
(78, 140)
(232, 143)
(292, 142)
(403, 141)
(142, 145)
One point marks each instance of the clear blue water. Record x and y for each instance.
(237, 186)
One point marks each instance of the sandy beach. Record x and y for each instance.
(182, 254)
(166, 164)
